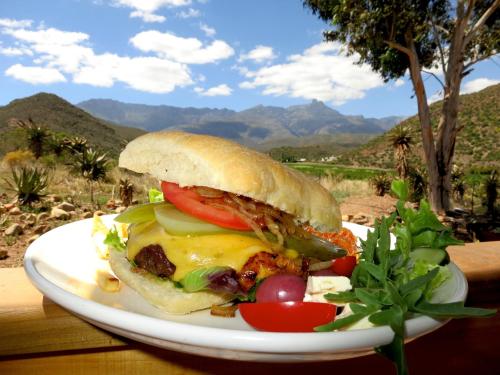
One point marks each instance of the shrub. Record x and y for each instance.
(126, 191)
(18, 158)
(29, 183)
(381, 183)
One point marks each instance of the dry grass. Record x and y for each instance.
(342, 189)
(75, 188)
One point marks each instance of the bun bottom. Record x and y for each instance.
(162, 293)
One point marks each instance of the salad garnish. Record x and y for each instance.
(390, 286)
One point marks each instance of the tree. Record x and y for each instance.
(396, 36)
(35, 134)
(92, 166)
(401, 141)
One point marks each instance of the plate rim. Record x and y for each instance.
(232, 339)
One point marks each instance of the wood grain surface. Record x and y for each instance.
(39, 337)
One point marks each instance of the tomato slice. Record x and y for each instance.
(191, 203)
(344, 266)
(291, 316)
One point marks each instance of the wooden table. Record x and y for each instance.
(39, 337)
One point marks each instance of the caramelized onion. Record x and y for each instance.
(207, 192)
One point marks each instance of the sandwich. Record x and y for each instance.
(231, 217)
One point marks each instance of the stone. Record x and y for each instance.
(54, 198)
(3, 254)
(9, 206)
(87, 215)
(66, 206)
(120, 209)
(360, 219)
(99, 213)
(111, 204)
(59, 214)
(40, 229)
(33, 238)
(15, 211)
(14, 230)
(346, 217)
(30, 220)
(42, 216)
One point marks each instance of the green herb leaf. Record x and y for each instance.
(113, 240)
(452, 310)
(155, 195)
(345, 296)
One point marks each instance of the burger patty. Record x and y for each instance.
(153, 259)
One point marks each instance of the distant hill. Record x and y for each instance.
(58, 115)
(255, 126)
(478, 143)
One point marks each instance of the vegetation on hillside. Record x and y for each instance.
(49, 112)
(478, 142)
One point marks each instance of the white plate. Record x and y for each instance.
(62, 264)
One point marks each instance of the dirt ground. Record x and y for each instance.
(362, 210)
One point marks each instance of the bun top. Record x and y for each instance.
(200, 160)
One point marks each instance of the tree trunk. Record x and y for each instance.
(448, 126)
(424, 116)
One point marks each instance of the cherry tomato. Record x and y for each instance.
(291, 316)
(191, 203)
(281, 288)
(344, 266)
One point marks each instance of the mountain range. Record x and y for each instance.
(255, 126)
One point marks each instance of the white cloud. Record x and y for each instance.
(209, 31)
(14, 24)
(220, 90)
(321, 72)
(60, 52)
(399, 82)
(147, 17)
(477, 85)
(146, 9)
(34, 74)
(259, 54)
(190, 13)
(15, 51)
(183, 50)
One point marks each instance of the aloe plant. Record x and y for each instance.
(92, 166)
(29, 183)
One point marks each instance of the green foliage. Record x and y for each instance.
(389, 287)
(381, 183)
(91, 164)
(417, 178)
(491, 192)
(60, 117)
(476, 144)
(126, 191)
(371, 28)
(36, 135)
(29, 184)
(348, 173)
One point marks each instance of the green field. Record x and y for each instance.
(348, 173)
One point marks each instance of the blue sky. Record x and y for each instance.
(200, 53)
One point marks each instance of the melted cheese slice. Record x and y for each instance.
(192, 252)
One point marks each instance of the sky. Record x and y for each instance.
(232, 54)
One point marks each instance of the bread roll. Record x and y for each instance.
(201, 160)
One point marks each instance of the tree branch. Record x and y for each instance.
(481, 21)
(399, 47)
(474, 61)
(435, 76)
(440, 47)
